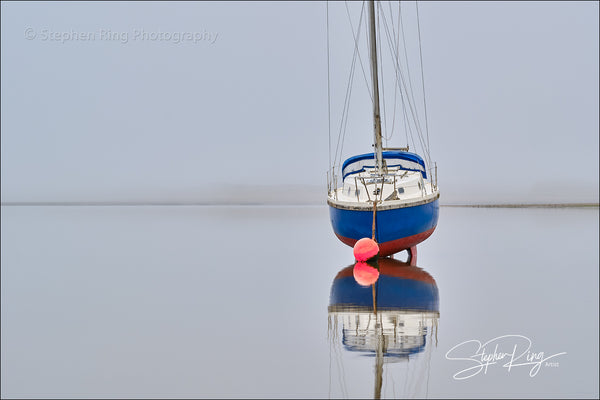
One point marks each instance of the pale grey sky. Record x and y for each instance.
(101, 101)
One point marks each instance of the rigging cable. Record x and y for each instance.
(401, 34)
(412, 109)
(328, 87)
(394, 54)
(407, 130)
(396, 43)
(342, 131)
(383, 115)
(355, 37)
(412, 93)
(407, 96)
(412, 96)
(407, 127)
(344, 121)
(422, 78)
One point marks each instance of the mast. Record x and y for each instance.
(376, 114)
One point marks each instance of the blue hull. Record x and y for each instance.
(392, 293)
(395, 229)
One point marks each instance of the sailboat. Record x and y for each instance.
(388, 194)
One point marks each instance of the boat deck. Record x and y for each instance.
(396, 188)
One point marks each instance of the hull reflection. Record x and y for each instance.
(389, 320)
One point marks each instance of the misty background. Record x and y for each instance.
(227, 101)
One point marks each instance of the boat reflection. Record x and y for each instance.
(388, 320)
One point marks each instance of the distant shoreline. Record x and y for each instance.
(526, 205)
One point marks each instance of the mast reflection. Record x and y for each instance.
(389, 319)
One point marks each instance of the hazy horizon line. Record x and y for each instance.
(258, 203)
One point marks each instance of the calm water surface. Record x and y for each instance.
(235, 302)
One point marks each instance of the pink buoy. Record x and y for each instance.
(364, 274)
(365, 248)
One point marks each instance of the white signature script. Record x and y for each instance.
(512, 350)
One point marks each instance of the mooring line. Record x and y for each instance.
(374, 214)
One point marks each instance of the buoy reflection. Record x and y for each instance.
(365, 274)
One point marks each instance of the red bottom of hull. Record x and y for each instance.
(394, 246)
